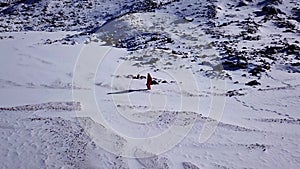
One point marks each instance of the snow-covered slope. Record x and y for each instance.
(73, 74)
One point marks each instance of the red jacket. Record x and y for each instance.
(149, 80)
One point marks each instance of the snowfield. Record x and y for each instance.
(225, 93)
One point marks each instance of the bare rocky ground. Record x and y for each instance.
(249, 35)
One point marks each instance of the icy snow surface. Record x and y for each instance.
(73, 93)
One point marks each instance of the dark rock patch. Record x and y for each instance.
(234, 65)
(270, 2)
(271, 10)
(189, 165)
(252, 83)
(256, 71)
(144, 40)
(234, 93)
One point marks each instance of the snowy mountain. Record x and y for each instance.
(225, 89)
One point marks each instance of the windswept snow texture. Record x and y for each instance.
(66, 64)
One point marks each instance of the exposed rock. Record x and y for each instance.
(235, 93)
(144, 40)
(189, 165)
(292, 49)
(146, 5)
(154, 82)
(296, 12)
(212, 11)
(252, 83)
(234, 65)
(271, 10)
(295, 64)
(59, 106)
(4, 4)
(153, 161)
(242, 3)
(269, 2)
(256, 71)
(189, 19)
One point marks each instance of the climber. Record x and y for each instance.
(149, 81)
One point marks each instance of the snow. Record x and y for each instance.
(72, 100)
